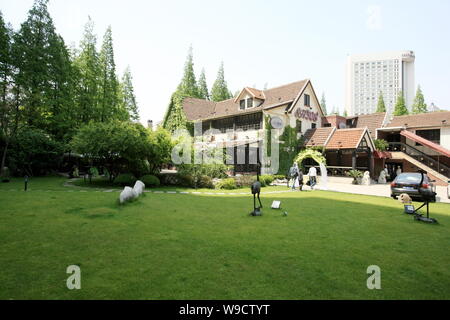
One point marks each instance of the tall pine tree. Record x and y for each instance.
(219, 90)
(381, 107)
(419, 105)
(188, 84)
(88, 69)
(42, 63)
(323, 104)
(175, 118)
(109, 85)
(400, 106)
(203, 92)
(127, 96)
(8, 113)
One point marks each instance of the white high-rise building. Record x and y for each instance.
(369, 74)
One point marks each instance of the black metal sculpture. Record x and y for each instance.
(427, 195)
(256, 190)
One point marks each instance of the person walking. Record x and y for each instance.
(293, 172)
(312, 173)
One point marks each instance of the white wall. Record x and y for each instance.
(445, 138)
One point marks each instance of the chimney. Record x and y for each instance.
(150, 124)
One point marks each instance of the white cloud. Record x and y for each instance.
(374, 21)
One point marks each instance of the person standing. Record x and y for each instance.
(399, 171)
(312, 173)
(300, 180)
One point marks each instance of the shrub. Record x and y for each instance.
(186, 180)
(267, 178)
(169, 179)
(125, 179)
(244, 181)
(150, 180)
(227, 184)
(280, 176)
(205, 182)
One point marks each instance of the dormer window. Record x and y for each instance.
(307, 100)
(242, 104)
(249, 103)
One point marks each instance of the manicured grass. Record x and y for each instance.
(185, 246)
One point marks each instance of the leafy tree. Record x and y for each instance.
(108, 85)
(345, 113)
(8, 112)
(203, 92)
(159, 149)
(323, 104)
(219, 91)
(400, 106)
(43, 67)
(34, 152)
(419, 105)
(88, 69)
(381, 107)
(127, 97)
(381, 144)
(115, 145)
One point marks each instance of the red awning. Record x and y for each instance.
(425, 142)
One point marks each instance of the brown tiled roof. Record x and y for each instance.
(432, 119)
(317, 137)
(197, 109)
(371, 121)
(257, 93)
(345, 138)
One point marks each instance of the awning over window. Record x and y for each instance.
(425, 142)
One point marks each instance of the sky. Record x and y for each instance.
(260, 42)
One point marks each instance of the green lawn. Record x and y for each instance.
(192, 246)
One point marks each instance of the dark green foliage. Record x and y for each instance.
(117, 146)
(267, 178)
(289, 148)
(219, 91)
(34, 152)
(150, 181)
(205, 182)
(125, 179)
(203, 92)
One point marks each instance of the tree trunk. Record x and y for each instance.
(4, 157)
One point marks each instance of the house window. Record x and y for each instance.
(249, 122)
(431, 135)
(298, 125)
(242, 104)
(249, 103)
(307, 100)
(313, 125)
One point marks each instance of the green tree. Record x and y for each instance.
(381, 107)
(419, 105)
(159, 149)
(400, 106)
(115, 145)
(43, 66)
(323, 104)
(8, 112)
(88, 72)
(127, 97)
(203, 92)
(109, 85)
(188, 84)
(219, 91)
(175, 117)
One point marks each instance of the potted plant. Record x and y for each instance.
(356, 175)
